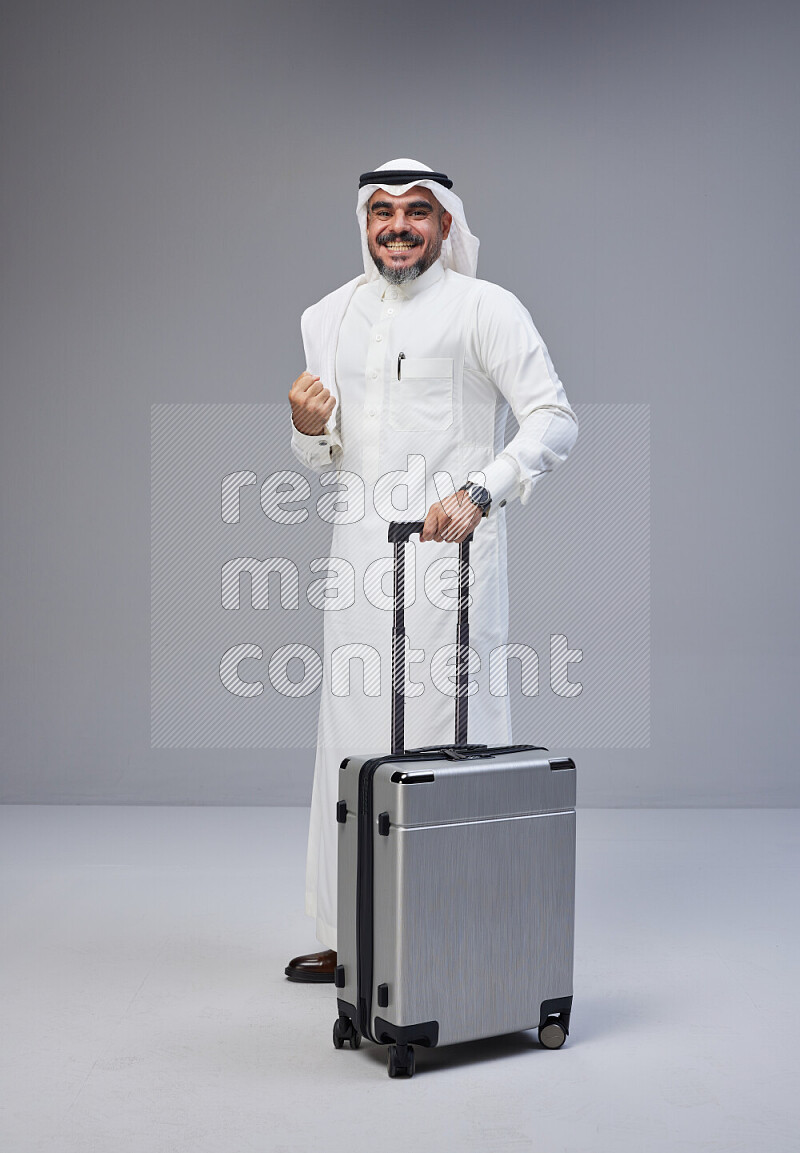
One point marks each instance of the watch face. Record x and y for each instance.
(479, 495)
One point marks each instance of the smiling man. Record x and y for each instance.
(405, 233)
(411, 371)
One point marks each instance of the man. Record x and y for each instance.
(412, 369)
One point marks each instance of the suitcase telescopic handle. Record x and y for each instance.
(401, 530)
(399, 533)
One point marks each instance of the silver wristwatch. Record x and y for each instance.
(479, 496)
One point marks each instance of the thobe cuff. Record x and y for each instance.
(314, 451)
(502, 479)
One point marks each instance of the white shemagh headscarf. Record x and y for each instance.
(459, 251)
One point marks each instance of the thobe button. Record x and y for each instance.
(390, 312)
(374, 375)
(371, 412)
(379, 337)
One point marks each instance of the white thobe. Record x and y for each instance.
(425, 374)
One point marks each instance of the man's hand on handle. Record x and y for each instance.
(311, 403)
(451, 519)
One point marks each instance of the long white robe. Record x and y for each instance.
(432, 416)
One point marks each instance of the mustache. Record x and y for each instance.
(406, 236)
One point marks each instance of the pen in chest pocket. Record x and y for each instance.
(402, 356)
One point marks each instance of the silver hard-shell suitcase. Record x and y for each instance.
(456, 881)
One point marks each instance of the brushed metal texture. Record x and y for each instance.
(473, 891)
(474, 922)
(507, 784)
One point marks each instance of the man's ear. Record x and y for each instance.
(447, 220)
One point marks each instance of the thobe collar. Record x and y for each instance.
(411, 288)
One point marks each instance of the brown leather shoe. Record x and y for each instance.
(313, 967)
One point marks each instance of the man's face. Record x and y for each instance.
(405, 233)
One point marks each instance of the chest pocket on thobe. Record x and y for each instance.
(422, 399)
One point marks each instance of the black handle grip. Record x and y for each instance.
(401, 530)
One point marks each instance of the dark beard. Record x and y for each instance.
(409, 271)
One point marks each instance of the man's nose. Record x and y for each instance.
(399, 223)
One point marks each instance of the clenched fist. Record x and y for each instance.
(311, 403)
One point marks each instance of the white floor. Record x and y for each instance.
(144, 1008)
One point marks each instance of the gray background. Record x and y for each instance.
(178, 184)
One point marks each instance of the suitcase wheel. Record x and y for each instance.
(400, 1061)
(552, 1034)
(344, 1030)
